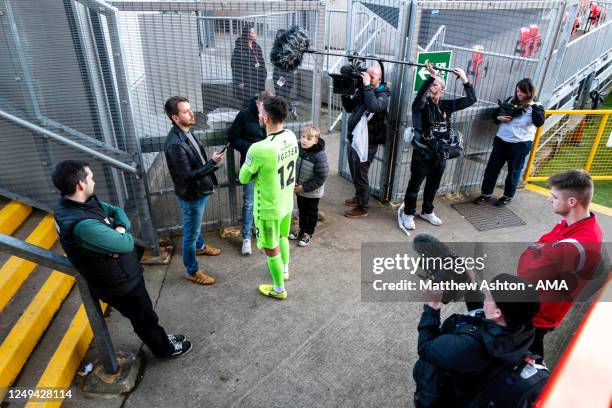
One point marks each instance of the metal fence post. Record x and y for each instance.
(101, 334)
(140, 188)
(396, 97)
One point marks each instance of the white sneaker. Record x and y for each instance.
(432, 218)
(246, 247)
(408, 221)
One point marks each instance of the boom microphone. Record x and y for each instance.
(289, 48)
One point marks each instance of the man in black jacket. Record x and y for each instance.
(431, 117)
(194, 180)
(373, 99)
(455, 359)
(245, 130)
(95, 236)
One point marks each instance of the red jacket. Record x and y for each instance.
(566, 253)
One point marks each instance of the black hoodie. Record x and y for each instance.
(245, 130)
(455, 358)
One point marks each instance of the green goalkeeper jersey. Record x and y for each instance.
(272, 163)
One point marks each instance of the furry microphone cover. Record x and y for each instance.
(289, 48)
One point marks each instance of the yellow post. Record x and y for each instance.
(533, 151)
(602, 126)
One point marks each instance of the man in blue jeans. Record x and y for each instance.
(194, 179)
(244, 131)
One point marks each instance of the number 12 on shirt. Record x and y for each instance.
(290, 175)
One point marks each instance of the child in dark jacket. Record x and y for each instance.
(311, 171)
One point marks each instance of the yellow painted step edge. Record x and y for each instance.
(602, 209)
(67, 358)
(16, 270)
(24, 336)
(12, 216)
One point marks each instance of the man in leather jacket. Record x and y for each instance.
(194, 180)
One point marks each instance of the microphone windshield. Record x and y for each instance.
(288, 49)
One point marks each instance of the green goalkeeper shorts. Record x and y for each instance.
(269, 232)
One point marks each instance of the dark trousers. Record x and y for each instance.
(537, 347)
(423, 167)
(309, 213)
(503, 152)
(359, 174)
(137, 307)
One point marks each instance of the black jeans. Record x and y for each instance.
(423, 167)
(503, 152)
(137, 307)
(359, 174)
(309, 213)
(537, 347)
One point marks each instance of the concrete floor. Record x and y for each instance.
(323, 346)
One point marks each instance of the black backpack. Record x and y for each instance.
(507, 385)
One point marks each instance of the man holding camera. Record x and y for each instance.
(458, 358)
(372, 101)
(431, 117)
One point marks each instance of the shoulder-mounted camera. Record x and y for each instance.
(349, 79)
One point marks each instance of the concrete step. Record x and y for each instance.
(44, 332)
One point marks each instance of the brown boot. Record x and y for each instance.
(200, 278)
(208, 250)
(351, 202)
(356, 213)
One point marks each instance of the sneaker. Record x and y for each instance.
(246, 247)
(294, 235)
(431, 217)
(351, 202)
(356, 213)
(176, 338)
(408, 221)
(200, 278)
(180, 348)
(208, 250)
(482, 199)
(305, 240)
(268, 290)
(502, 201)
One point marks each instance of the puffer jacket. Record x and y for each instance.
(312, 170)
(456, 358)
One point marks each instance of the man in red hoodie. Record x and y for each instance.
(569, 254)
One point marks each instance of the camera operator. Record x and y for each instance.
(372, 98)
(431, 117)
(519, 119)
(458, 358)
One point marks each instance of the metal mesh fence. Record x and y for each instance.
(572, 140)
(488, 40)
(590, 40)
(375, 28)
(201, 51)
(99, 74)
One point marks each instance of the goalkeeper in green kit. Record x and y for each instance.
(271, 162)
